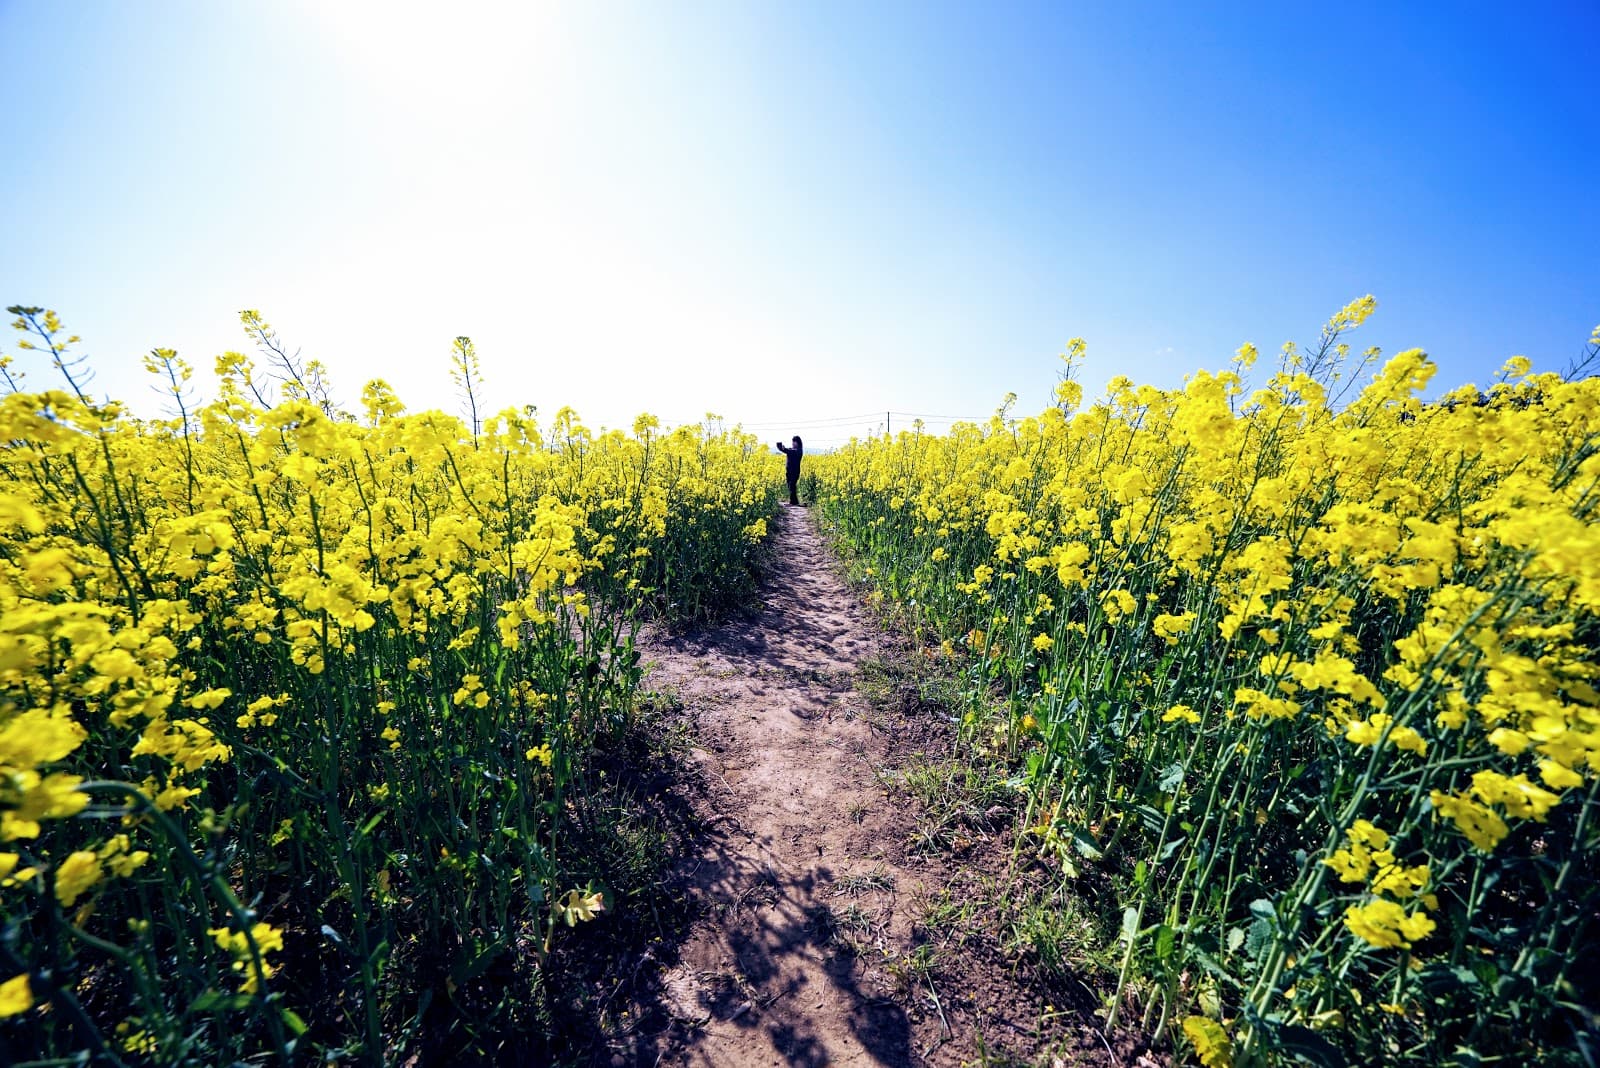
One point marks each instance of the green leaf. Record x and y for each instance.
(1512, 987)
(1166, 937)
(1171, 848)
(1171, 778)
(1442, 980)
(1215, 968)
(1152, 819)
(1130, 924)
(1306, 1045)
(477, 962)
(1235, 939)
(1259, 939)
(213, 1000)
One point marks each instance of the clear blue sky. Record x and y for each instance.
(786, 213)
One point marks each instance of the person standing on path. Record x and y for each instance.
(792, 471)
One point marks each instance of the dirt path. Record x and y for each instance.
(803, 840)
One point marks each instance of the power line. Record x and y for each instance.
(943, 418)
(865, 417)
(829, 421)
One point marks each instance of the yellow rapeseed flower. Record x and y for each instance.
(1387, 925)
(577, 906)
(16, 995)
(76, 874)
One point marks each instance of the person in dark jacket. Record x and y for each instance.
(792, 471)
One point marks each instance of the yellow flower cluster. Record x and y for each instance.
(1382, 922)
(1275, 612)
(266, 620)
(249, 952)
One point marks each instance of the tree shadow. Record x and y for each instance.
(769, 924)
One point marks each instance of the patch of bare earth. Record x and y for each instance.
(808, 943)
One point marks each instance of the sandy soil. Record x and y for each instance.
(803, 833)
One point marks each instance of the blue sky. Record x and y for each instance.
(793, 214)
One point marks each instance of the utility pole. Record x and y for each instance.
(888, 428)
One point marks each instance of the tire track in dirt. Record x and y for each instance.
(803, 840)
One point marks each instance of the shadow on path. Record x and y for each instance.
(800, 909)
